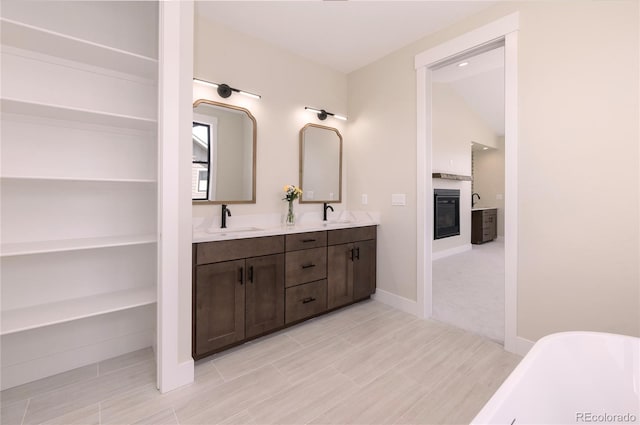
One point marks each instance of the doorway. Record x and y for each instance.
(468, 157)
(506, 31)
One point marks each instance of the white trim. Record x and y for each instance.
(178, 376)
(174, 201)
(396, 301)
(511, 194)
(451, 251)
(506, 28)
(424, 233)
(521, 346)
(483, 35)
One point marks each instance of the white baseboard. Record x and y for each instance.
(518, 345)
(451, 251)
(182, 374)
(396, 301)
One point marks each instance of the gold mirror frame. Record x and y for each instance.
(255, 153)
(301, 166)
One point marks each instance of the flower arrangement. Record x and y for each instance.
(291, 193)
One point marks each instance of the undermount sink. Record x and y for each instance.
(226, 230)
(337, 222)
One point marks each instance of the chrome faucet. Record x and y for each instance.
(473, 201)
(225, 212)
(326, 207)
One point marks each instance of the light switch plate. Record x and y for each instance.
(398, 199)
(365, 199)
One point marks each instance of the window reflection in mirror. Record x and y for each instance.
(320, 164)
(201, 139)
(224, 158)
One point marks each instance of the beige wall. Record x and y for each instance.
(488, 180)
(287, 83)
(455, 126)
(578, 104)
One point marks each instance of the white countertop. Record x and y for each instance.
(245, 229)
(485, 208)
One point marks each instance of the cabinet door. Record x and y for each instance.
(364, 269)
(339, 275)
(219, 309)
(264, 307)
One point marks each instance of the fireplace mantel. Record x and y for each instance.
(448, 176)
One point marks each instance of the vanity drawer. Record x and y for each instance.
(340, 236)
(305, 266)
(297, 241)
(304, 301)
(213, 252)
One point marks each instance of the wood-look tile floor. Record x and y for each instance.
(364, 364)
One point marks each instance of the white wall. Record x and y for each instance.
(488, 180)
(455, 126)
(287, 83)
(578, 101)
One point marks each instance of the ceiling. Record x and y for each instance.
(480, 84)
(343, 35)
(347, 35)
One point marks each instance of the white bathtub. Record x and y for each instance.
(571, 378)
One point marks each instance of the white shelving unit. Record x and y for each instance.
(60, 112)
(43, 247)
(24, 319)
(35, 39)
(79, 188)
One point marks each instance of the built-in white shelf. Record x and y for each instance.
(60, 112)
(79, 179)
(43, 247)
(38, 316)
(52, 43)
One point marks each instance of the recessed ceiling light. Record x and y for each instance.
(485, 148)
(461, 64)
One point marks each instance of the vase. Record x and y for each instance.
(290, 218)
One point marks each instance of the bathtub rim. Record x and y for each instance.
(488, 411)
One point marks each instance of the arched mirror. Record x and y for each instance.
(320, 164)
(224, 154)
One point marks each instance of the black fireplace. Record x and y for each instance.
(446, 213)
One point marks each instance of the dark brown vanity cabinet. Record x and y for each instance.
(484, 225)
(306, 273)
(244, 288)
(351, 271)
(236, 299)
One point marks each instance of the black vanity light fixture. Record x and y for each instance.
(322, 114)
(224, 90)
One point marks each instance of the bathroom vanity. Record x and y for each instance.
(248, 284)
(484, 225)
